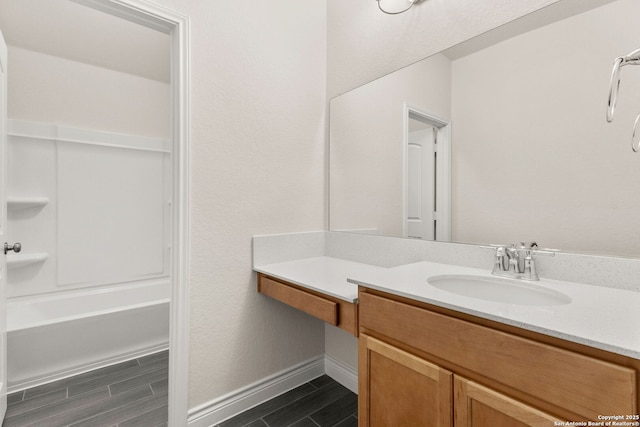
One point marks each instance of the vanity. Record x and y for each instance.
(429, 354)
(316, 286)
(421, 364)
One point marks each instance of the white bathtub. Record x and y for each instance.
(55, 336)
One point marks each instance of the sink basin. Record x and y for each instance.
(509, 291)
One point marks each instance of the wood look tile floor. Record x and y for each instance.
(319, 403)
(132, 393)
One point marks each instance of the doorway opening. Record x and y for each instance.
(172, 157)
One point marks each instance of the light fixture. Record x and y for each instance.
(411, 3)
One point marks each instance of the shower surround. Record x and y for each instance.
(91, 286)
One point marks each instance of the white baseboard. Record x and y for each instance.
(345, 375)
(44, 379)
(236, 402)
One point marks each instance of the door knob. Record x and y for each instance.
(16, 247)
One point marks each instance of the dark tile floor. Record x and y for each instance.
(132, 393)
(319, 403)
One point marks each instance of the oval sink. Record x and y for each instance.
(509, 291)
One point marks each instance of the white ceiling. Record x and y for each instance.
(76, 32)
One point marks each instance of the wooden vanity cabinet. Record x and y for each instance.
(332, 310)
(421, 365)
(478, 406)
(401, 389)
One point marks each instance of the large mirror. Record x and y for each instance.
(499, 140)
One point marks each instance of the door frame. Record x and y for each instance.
(177, 27)
(443, 170)
(4, 111)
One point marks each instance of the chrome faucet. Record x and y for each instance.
(510, 262)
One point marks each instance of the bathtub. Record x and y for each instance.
(50, 337)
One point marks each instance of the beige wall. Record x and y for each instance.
(258, 107)
(50, 89)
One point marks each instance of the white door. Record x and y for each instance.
(421, 184)
(3, 227)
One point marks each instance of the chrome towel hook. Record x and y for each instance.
(635, 138)
(614, 85)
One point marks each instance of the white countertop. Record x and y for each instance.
(600, 317)
(322, 274)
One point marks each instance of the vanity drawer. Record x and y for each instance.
(331, 310)
(574, 382)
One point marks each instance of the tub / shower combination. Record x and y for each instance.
(76, 298)
(50, 337)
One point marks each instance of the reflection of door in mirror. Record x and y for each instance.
(421, 166)
(426, 185)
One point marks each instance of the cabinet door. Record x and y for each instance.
(397, 388)
(478, 406)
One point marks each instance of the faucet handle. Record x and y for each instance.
(513, 251)
(529, 271)
(491, 246)
(527, 245)
(499, 250)
(499, 264)
(546, 252)
(499, 258)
